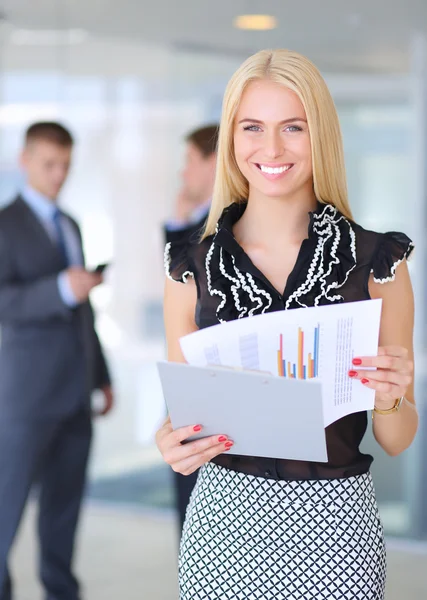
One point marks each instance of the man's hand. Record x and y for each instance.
(82, 282)
(108, 401)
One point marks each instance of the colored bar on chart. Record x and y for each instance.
(289, 370)
(309, 366)
(305, 372)
(300, 353)
(316, 351)
(280, 357)
(283, 362)
(279, 364)
(294, 371)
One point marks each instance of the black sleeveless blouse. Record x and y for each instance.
(333, 266)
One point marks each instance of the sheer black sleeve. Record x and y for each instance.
(393, 248)
(178, 263)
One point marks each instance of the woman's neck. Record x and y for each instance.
(272, 221)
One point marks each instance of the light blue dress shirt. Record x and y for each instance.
(197, 215)
(44, 209)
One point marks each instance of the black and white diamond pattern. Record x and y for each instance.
(251, 538)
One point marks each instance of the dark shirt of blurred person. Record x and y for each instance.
(50, 362)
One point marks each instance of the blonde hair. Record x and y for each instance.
(298, 74)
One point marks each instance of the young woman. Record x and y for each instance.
(280, 235)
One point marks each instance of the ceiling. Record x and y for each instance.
(365, 36)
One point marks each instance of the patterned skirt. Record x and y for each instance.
(251, 538)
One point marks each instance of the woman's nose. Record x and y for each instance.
(274, 145)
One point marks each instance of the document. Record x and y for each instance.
(308, 344)
(264, 415)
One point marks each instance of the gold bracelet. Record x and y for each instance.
(389, 411)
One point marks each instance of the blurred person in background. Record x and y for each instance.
(194, 197)
(50, 362)
(190, 213)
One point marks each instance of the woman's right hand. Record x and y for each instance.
(187, 458)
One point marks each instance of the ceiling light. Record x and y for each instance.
(260, 22)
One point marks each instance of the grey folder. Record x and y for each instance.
(264, 415)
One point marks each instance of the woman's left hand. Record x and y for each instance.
(393, 375)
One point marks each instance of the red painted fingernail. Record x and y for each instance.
(228, 445)
(222, 438)
(197, 428)
(357, 361)
(352, 373)
(365, 380)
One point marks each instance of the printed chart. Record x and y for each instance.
(306, 364)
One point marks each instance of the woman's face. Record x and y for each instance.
(272, 141)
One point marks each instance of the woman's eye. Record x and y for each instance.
(288, 128)
(252, 128)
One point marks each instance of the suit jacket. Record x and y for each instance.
(50, 355)
(190, 233)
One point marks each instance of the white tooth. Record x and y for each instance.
(274, 170)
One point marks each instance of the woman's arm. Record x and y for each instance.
(179, 309)
(179, 315)
(394, 376)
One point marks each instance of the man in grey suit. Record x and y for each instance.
(50, 362)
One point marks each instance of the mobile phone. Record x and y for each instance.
(101, 267)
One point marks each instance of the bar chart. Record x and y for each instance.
(306, 364)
